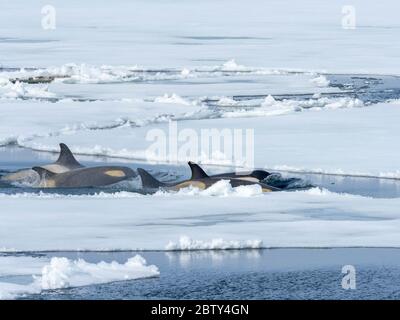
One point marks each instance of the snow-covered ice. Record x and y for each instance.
(21, 121)
(314, 218)
(61, 272)
(185, 243)
(305, 35)
(320, 81)
(346, 138)
(221, 188)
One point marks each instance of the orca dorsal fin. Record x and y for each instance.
(197, 171)
(43, 172)
(260, 174)
(66, 158)
(148, 181)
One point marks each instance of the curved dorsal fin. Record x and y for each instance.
(43, 172)
(260, 174)
(66, 158)
(148, 181)
(197, 171)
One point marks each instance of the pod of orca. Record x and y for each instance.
(67, 172)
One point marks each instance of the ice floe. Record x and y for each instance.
(22, 122)
(316, 140)
(320, 81)
(61, 272)
(22, 90)
(173, 98)
(221, 188)
(273, 35)
(185, 244)
(272, 107)
(124, 221)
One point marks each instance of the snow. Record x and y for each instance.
(173, 98)
(20, 265)
(135, 82)
(221, 188)
(225, 101)
(336, 136)
(271, 107)
(99, 104)
(320, 81)
(185, 243)
(305, 35)
(61, 272)
(311, 218)
(23, 122)
(231, 65)
(21, 90)
(269, 101)
(84, 73)
(10, 291)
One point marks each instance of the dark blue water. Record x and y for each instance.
(249, 274)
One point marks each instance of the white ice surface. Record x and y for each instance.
(131, 83)
(276, 34)
(61, 272)
(320, 81)
(338, 139)
(20, 265)
(314, 218)
(186, 244)
(21, 121)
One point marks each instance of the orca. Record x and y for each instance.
(254, 176)
(100, 176)
(65, 162)
(200, 180)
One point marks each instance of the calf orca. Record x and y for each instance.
(254, 176)
(65, 162)
(199, 180)
(84, 177)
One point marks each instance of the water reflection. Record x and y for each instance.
(187, 259)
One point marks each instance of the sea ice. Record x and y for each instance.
(61, 272)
